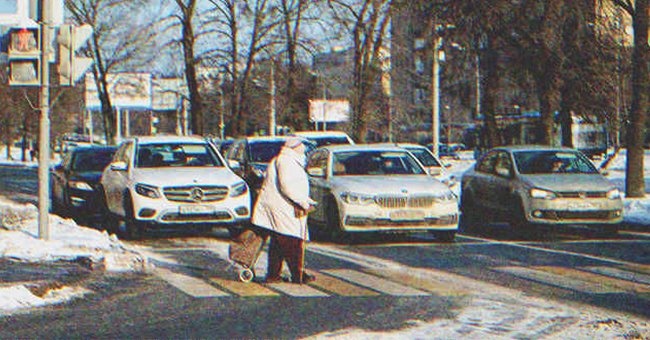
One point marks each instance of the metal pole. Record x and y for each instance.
(324, 106)
(118, 124)
(435, 97)
(478, 86)
(222, 124)
(272, 111)
(44, 133)
(127, 123)
(90, 125)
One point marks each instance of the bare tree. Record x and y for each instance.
(367, 22)
(120, 39)
(636, 130)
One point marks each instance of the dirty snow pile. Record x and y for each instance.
(19, 240)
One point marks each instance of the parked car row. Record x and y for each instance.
(173, 181)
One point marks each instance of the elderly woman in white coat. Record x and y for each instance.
(282, 207)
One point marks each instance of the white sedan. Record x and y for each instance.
(377, 188)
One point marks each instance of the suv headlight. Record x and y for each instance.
(614, 194)
(354, 198)
(147, 190)
(238, 189)
(445, 197)
(80, 185)
(542, 194)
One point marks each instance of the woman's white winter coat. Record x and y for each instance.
(286, 185)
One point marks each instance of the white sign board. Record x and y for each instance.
(168, 94)
(126, 90)
(329, 111)
(25, 13)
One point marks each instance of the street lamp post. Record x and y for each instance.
(272, 124)
(435, 95)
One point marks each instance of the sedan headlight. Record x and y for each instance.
(80, 185)
(354, 198)
(614, 194)
(147, 190)
(238, 189)
(542, 194)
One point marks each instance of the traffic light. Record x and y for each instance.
(24, 56)
(71, 38)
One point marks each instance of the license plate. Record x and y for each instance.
(582, 205)
(407, 215)
(195, 209)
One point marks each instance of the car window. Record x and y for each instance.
(327, 140)
(318, 160)
(551, 161)
(350, 163)
(176, 155)
(424, 156)
(91, 160)
(487, 163)
(503, 161)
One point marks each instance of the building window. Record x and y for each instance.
(419, 43)
(419, 65)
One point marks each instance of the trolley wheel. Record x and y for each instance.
(246, 275)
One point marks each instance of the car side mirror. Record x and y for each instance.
(234, 164)
(119, 166)
(316, 172)
(503, 172)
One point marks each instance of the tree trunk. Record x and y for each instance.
(634, 179)
(491, 89)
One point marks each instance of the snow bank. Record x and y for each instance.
(68, 241)
(19, 297)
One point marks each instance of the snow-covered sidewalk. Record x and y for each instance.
(19, 242)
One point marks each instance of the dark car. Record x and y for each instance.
(446, 150)
(75, 181)
(249, 157)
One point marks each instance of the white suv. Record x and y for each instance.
(173, 180)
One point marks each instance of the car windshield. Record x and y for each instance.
(375, 163)
(176, 155)
(550, 162)
(424, 156)
(329, 140)
(264, 151)
(91, 160)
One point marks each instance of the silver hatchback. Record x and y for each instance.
(526, 185)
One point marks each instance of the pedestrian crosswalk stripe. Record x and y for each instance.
(555, 280)
(621, 274)
(340, 287)
(376, 283)
(297, 290)
(190, 285)
(607, 282)
(425, 283)
(243, 289)
(640, 268)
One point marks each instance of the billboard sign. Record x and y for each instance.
(168, 93)
(329, 111)
(126, 90)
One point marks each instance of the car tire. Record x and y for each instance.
(133, 229)
(333, 222)
(445, 236)
(519, 223)
(469, 212)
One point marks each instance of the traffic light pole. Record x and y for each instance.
(44, 126)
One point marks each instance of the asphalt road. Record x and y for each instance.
(194, 292)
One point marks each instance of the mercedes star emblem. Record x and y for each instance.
(196, 194)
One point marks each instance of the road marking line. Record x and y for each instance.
(244, 289)
(340, 287)
(605, 281)
(376, 283)
(641, 268)
(603, 241)
(635, 233)
(297, 290)
(418, 281)
(555, 280)
(563, 252)
(621, 274)
(188, 284)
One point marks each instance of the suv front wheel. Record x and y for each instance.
(133, 229)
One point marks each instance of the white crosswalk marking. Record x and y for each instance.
(620, 274)
(297, 290)
(558, 280)
(190, 285)
(376, 283)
